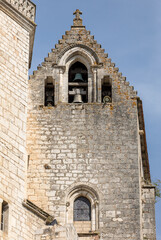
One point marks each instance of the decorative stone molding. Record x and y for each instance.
(26, 7)
(22, 12)
(81, 49)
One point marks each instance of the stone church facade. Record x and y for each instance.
(73, 153)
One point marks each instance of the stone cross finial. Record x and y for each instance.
(77, 21)
(77, 13)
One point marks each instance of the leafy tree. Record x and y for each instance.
(157, 184)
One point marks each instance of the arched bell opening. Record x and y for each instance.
(78, 83)
(49, 92)
(106, 90)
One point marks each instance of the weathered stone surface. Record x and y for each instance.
(96, 150)
(26, 7)
(14, 60)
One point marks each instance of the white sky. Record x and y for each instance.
(130, 32)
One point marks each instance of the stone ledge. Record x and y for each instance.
(39, 212)
(148, 186)
(88, 234)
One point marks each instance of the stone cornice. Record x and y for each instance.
(22, 20)
(26, 7)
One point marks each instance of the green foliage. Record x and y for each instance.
(157, 184)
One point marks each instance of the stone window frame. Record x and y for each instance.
(81, 59)
(82, 55)
(89, 193)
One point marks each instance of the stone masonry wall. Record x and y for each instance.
(66, 232)
(14, 55)
(91, 145)
(148, 212)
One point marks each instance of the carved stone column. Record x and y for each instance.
(90, 87)
(95, 85)
(59, 84)
(96, 215)
(95, 80)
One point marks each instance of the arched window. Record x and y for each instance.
(82, 209)
(78, 83)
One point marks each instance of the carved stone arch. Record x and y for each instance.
(80, 46)
(87, 192)
(90, 59)
(71, 56)
(78, 57)
(77, 51)
(79, 186)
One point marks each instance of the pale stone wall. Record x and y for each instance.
(148, 212)
(66, 232)
(89, 148)
(87, 145)
(72, 150)
(14, 57)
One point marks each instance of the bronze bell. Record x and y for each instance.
(49, 101)
(77, 96)
(78, 78)
(49, 97)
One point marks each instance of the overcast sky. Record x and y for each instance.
(130, 32)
